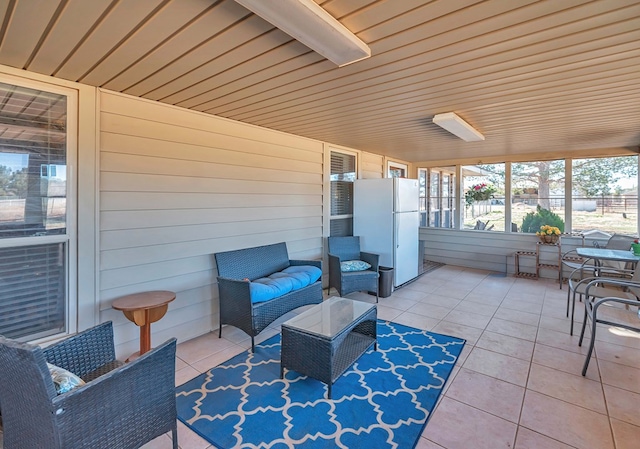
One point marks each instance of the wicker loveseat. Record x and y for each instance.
(244, 276)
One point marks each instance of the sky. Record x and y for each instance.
(15, 161)
(18, 161)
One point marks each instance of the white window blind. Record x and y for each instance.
(343, 174)
(32, 284)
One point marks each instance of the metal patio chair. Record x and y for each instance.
(596, 287)
(583, 268)
(621, 313)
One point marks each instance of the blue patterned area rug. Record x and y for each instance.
(382, 401)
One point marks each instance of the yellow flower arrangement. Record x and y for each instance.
(549, 234)
(548, 230)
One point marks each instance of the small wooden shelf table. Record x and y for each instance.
(556, 264)
(143, 309)
(524, 274)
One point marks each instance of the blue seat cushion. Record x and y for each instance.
(283, 282)
(264, 289)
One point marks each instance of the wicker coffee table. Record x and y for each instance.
(324, 341)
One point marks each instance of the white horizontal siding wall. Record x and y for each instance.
(371, 166)
(474, 249)
(488, 250)
(177, 186)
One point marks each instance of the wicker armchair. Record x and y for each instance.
(348, 248)
(121, 405)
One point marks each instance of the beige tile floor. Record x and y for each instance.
(517, 383)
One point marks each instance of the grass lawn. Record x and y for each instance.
(611, 222)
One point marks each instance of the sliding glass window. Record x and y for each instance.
(34, 212)
(536, 185)
(605, 195)
(438, 203)
(484, 197)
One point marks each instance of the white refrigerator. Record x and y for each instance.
(386, 217)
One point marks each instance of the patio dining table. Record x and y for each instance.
(600, 254)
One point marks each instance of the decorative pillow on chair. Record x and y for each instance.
(354, 265)
(64, 380)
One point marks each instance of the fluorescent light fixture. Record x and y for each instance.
(307, 22)
(455, 125)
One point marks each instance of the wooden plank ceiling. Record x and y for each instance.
(532, 76)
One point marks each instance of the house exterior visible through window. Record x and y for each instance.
(34, 213)
(343, 175)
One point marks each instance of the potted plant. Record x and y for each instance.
(548, 234)
(479, 192)
(635, 247)
(534, 220)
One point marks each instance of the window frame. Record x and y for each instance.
(328, 151)
(70, 237)
(393, 165)
(568, 183)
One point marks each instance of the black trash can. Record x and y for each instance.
(385, 282)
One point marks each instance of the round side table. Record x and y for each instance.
(143, 309)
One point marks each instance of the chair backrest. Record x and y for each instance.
(101, 337)
(635, 278)
(26, 394)
(620, 241)
(347, 248)
(253, 263)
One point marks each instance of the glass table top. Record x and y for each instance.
(608, 254)
(330, 317)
